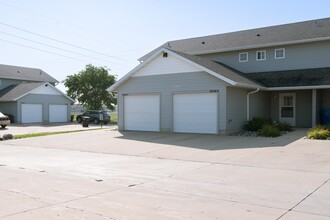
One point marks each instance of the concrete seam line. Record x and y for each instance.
(303, 199)
(83, 210)
(62, 202)
(210, 197)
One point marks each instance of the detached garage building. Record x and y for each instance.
(31, 97)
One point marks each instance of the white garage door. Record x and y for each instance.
(141, 113)
(195, 113)
(58, 113)
(31, 113)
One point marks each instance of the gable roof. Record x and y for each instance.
(293, 78)
(25, 73)
(300, 32)
(15, 92)
(218, 70)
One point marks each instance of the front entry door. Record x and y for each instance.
(288, 108)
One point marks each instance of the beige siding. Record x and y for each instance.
(236, 109)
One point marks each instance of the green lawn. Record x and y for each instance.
(114, 117)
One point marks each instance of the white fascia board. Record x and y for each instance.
(48, 84)
(129, 74)
(247, 86)
(298, 88)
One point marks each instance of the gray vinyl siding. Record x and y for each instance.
(260, 105)
(168, 84)
(298, 56)
(45, 100)
(236, 109)
(318, 105)
(326, 98)
(303, 107)
(9, 108)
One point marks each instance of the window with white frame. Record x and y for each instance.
(261, 55)
(243, 57)
(279, 53)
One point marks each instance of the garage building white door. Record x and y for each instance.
(141, 112)
(58, 113)
(195, 113)
(31, 113)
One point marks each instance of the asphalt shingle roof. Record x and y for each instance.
(292, 78)
(220, 69)
(11, 93)
(273, 35)
(25, 73)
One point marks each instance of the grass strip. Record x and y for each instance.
(20, 136)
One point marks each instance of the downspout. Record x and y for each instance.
(248, 103)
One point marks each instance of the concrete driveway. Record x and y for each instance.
(106, 174)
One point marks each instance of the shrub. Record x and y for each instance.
(283, 126)
(319, 132)
(256, 124)
(270, 131)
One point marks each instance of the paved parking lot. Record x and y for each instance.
(106, 174)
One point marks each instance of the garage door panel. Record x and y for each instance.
(31, 113)
(141, 113)
(58, 113)
(195, 113)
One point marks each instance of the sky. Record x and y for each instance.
(61, 37)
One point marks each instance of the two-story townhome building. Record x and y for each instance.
(30, 95)
(214, 84)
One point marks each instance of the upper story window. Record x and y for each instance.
(243, 57)
(279, 53)
(261, 55)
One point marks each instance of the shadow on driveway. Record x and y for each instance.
(213, 142)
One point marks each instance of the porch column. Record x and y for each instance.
(313, 107)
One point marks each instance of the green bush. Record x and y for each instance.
(283, 126)
(270, 131)
(319, 132)
(256, 124)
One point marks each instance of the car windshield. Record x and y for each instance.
(2, 115)
(106, 112)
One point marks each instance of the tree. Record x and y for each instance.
(89, 87)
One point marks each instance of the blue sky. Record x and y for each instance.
(61, 37)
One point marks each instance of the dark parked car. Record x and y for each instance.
(4, 120)
(96, 116)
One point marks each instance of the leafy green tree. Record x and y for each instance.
(89, 87)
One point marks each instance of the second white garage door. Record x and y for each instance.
(141, 113)
(58, 113)
(31, 113)
(195, 113)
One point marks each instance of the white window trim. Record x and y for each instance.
(247, 57)
(261, 51)
(277, 58)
